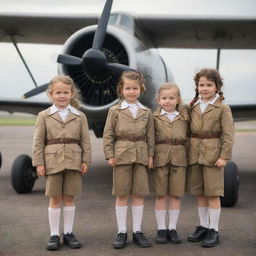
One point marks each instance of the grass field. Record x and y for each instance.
(17, 121)
(28, 121)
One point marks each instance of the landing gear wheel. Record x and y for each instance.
(231, 185)
(23, 174)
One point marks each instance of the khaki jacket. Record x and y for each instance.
(57, 157)
(216, 118)
(166, 129)
(120, 122)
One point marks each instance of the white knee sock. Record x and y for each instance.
(160, 219)
(204, 216)
(173, 218)
(54, 220)
(68, 218)
(214, 218)
(121, 213)
(137, 213)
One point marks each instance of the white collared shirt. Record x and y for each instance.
(170, 115)
(64, 112)
(204, 105)
(132, 107)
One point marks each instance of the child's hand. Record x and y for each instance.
(221, 162)
(84, 168)
(112, 161)
(40, 170)
(150, 162)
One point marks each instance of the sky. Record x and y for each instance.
(238, 67)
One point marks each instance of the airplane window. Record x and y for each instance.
(127, 21)
(113, 19)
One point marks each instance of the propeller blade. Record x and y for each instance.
(119, 68)
(102, 26)
(69, 59)
(36, 91)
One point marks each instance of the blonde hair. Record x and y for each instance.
(75, 99)
(131, 75)
(179, 107)
(168, 86)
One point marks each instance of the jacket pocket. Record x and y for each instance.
(212, 154)
(77, 154)
(50, 158)
(179, 157)
(123, 155)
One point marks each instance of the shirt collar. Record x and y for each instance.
(163, 112)
(125, 104)
(208, 102)
(54, 109)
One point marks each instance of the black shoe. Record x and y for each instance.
(161, 236)
(141, 240)
(70, 240)
(53, 243)
(199, 234)
(212, 238)
(120, 241)
(173, 237)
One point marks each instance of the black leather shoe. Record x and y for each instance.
(141, 240)
(161, 236)
(53, 243)
(212, 238)
(70, 240)
(199, 234)
(173, 237)
(120, 241)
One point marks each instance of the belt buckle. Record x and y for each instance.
(61, 140)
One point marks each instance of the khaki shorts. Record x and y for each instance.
(130, 179)
(205, 180)
(168, 180)
(67, 182)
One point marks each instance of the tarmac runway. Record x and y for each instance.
(24, 225)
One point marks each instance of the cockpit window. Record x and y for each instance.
(122, 20)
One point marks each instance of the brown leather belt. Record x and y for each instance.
(62, 141)
(172, 142)
(131, 138)
(205, 135)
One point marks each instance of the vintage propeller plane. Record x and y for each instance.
(95, 56)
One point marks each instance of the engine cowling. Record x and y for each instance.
(98, 85)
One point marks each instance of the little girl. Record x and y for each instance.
(211, 141)
(62, 152)
(129, 148)
(170, 160)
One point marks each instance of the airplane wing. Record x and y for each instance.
(243, 112)
(236, 32)
(42, 28)
(25, 106)
(172, 31)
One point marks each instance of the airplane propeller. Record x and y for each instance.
(36, 91)
(94, 61)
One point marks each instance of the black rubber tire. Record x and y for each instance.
(23, 174)
(231, 185)
(0, 160)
